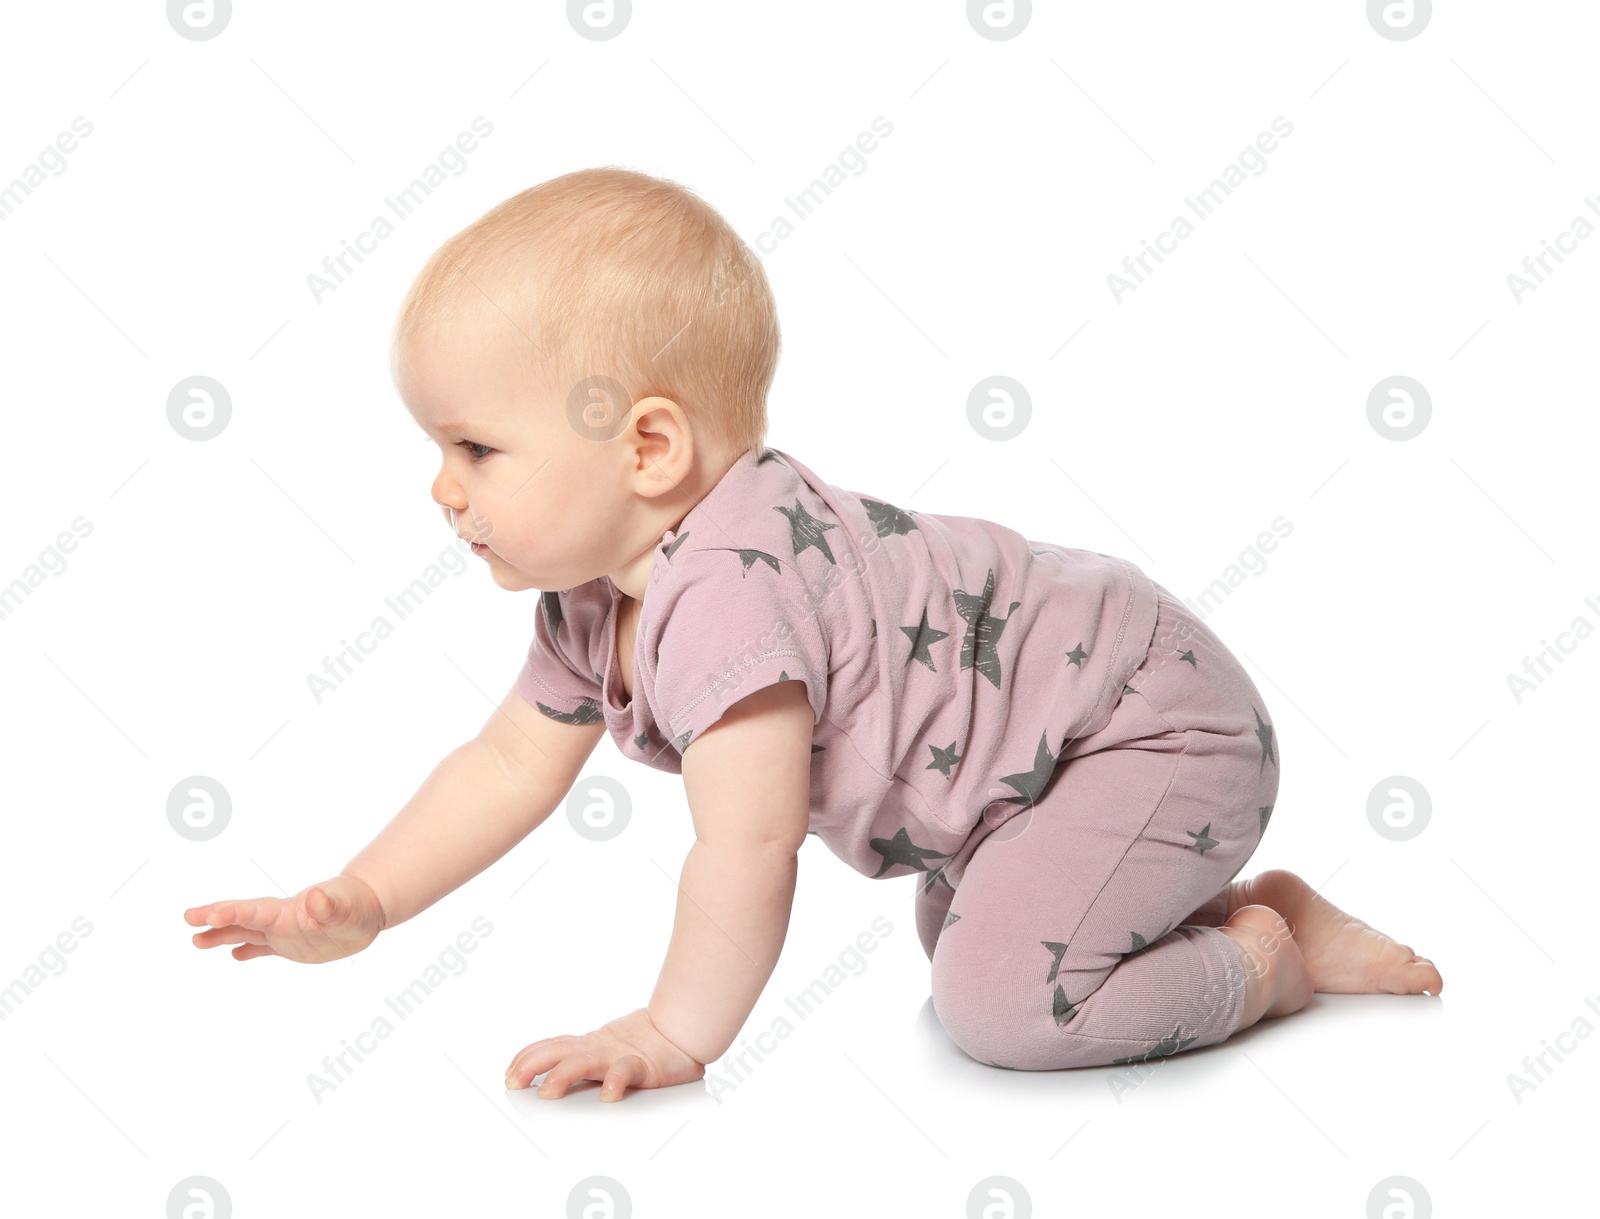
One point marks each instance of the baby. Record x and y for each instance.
(1071, 763)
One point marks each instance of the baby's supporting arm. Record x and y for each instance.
(748, 780)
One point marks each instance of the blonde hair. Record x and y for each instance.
(619, 274)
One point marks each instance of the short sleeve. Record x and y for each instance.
(735, 621)
(556, 677)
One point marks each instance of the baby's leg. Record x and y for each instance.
(1070, 946)
(1215, 912)
(933, 912)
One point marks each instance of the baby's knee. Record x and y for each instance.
(1006, 1023)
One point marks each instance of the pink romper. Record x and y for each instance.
(1067, 758)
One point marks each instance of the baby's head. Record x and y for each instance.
(590, 356)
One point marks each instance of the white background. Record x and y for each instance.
(1228, 390)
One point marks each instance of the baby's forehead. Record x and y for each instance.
(491, 323)
(477, 335)
(452, 383)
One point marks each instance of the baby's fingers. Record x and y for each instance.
(200, 916)
(245, 951)
(537, 1058)
(629, 1069)
(259, 913)
(228, 935)
(566, 1073)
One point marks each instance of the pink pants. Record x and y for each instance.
(1084, 930)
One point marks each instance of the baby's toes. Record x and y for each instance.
(1414, 977)
(1433, 979)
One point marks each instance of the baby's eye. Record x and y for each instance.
(472, 448)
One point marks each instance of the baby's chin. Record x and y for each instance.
(514, 579)
(510, 578)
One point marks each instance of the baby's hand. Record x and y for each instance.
(325, 922)
(630, 1050)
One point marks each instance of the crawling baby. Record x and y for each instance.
(1068, 760)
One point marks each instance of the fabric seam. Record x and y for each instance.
(552, 691)
(1123, 858)
(1116, 647)
(677, 717)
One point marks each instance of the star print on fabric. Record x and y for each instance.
(1077, 656)
(921, 635)
(1138, 941)
(641, 740)
(748, 556)
(886, 518)
(943, 759)
(672, 547)
(1126, 690)
(874, 622)
(767, 455)
(1167, 1045)
(1189, 656)
(1057, 951)
(600, 679)
(806, 530)
(950, 916)
(815, 748)
(1266, 816)
(901, 850)
(1033, 783)
(1203, 839)
(588, 712)
(681, 741)
(934, 877)
(1060, 1008)
(1264, 735)
(550, 602)
(983, 630)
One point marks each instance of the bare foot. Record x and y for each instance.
(1345, 955)
(1277, 979)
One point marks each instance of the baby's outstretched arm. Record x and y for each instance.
(479, 802)
(748, 782)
